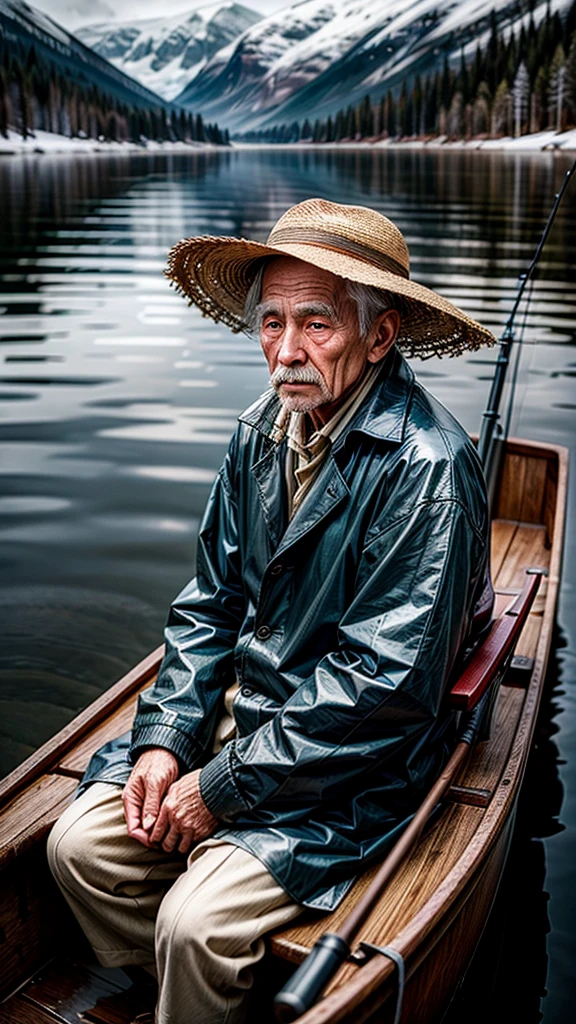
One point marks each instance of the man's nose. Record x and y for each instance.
(291, 350)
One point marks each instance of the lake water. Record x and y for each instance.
(117, 402)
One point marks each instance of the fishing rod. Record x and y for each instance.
(492, 436)
(474, 693)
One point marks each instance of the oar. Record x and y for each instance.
(472, 690)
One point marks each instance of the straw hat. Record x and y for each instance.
(351, 241)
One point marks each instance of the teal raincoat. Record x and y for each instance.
(343, 627)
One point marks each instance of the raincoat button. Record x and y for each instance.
(276, 570)
(264, 633)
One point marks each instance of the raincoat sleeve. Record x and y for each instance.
(371, 703)
(180, 710)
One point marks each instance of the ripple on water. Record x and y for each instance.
(31, 504)
(177, 474)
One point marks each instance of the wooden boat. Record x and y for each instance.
(434, 909)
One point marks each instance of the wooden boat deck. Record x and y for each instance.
(67, 991)
(430, 879)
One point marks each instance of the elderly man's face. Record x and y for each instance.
(310, 337)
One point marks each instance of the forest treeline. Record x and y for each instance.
(517, 84)
(44, 85)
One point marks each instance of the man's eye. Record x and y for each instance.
(319, 326)
(272, 325)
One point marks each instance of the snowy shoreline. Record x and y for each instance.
(549, 141)
(48, 143)
(42, 142)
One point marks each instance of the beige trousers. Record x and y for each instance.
(197, 923)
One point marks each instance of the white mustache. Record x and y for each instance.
(296, 375)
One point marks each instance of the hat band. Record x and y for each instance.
(312, 236)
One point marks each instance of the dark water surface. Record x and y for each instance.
(117, 402)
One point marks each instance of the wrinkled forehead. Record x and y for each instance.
(287, 279)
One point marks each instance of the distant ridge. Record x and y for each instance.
(21, 23)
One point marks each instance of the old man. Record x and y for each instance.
(299, 714)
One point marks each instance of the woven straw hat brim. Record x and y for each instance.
(216, 273)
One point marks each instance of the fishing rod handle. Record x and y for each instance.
(311, 977)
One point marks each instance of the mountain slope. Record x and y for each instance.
(25, 26)
(319, 55)
(166, 54)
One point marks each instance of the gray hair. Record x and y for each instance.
(252, 301)
(370, 303)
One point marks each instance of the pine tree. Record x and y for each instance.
(365, 121)
(417, 104)
(543, 38)
(446, 89)
(391, 115)
(502, 110)
(3, 104)
(409, 114)
(481, 110)
(350, 131)
(463, 84)
(402, 111)
(570, 78)
(521, 95)
(455, 118)
(477, 71)
(539, 101)
(511, 59)
(556, 90)
(377, 120)
(357, 134)
(432, 91)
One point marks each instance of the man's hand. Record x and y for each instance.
(184, 818)
(151, 778)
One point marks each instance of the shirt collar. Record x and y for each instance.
(382, 413)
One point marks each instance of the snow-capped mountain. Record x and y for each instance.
(318, 55)
(166, 54)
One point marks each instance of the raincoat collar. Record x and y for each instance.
(382, 415)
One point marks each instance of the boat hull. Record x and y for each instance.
(437, 904)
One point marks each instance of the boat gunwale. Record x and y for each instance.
(496, 814)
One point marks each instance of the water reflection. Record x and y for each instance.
(83, 245)
(117, 402)
(86, 310)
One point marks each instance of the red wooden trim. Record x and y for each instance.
(491, 656)
(47, 756)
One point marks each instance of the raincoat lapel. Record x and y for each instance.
(327, 492)
(269, 476)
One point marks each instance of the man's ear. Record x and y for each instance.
(383, 335)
